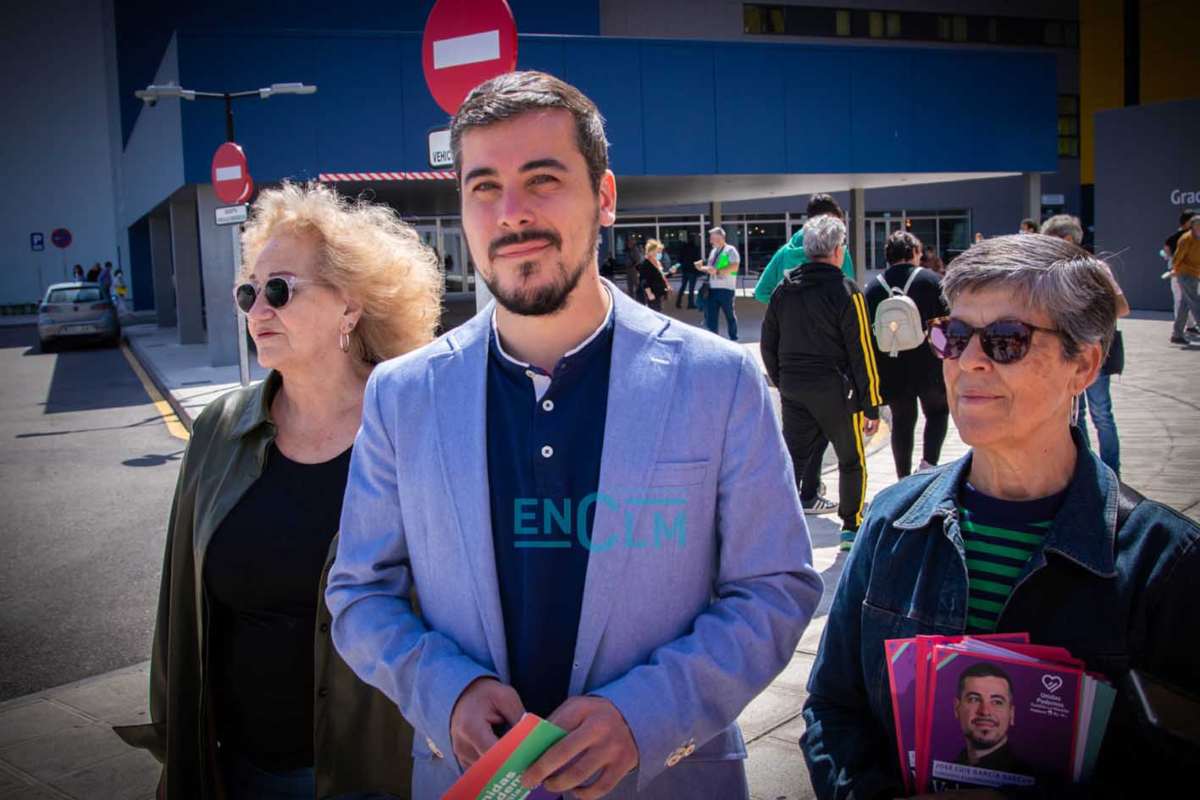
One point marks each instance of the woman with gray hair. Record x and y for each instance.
(1027, 532)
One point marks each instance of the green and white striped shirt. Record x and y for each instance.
(1000, 537)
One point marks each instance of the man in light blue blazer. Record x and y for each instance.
(515, 481)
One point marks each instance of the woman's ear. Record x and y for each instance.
(353, 313)
(1087, 367)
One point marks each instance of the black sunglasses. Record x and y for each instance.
(1004, 341)
(278, 291)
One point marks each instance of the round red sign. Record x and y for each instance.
(60, 238)
(231, 175)
(466, 43)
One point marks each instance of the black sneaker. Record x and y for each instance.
(1180, 340)
(1192, 329)
(820, 505)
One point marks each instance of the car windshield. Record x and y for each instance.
(85, 295)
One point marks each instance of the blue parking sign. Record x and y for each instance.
(37, 242)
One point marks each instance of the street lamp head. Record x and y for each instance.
(285, 88)
(155, 92)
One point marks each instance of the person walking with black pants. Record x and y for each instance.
(914, 375)
(689, 275)
(815, 348)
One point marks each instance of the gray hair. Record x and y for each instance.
(1066, 282)
(719, 231)
(823, 235)
(1063, 226)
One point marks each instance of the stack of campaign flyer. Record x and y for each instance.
(993, 711)
(497, 773)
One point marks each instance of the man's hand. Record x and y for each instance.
(597, 741)
(870, 426)
(484, 703)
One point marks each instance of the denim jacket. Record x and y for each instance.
(1116, 599)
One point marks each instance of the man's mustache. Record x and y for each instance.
(521, 238)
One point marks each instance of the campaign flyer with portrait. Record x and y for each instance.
(993, 712)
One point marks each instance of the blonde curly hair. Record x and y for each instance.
(368, 252)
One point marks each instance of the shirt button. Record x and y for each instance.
(548, 405)
(547, 451)
(530, 373)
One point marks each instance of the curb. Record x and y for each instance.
(158, 380)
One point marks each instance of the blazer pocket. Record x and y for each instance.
(679, 473)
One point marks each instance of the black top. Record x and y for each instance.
(263, 573)
(1173, 241)
(652, 277)
(815, 328)
(911, 370)
(543, 458)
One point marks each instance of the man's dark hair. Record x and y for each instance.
(1186, 216)
(984, 669)
(508, 96)
(1030, 223)
(901, 246)
(108, 263)
(820, 204)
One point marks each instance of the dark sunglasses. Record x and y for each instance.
(1004, 341)
(278, 291)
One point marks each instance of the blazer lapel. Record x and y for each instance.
(459, 381)
(644, 365)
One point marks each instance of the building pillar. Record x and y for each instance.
(858, 233)
(216, 261)
(185, 255)
(161, 272)
(714, 214)
(1031, 195)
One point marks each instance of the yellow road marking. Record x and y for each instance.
(169, 417)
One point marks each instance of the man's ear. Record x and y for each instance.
(608, 198)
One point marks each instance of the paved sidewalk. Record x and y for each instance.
(55, 744)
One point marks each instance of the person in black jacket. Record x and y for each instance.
(652, 284)
(816, 350)
(913, 375)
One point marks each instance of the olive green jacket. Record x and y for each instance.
(361, 741)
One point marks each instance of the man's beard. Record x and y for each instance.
(981, 744)
(549, 298)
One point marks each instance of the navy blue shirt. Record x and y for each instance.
(545, 437)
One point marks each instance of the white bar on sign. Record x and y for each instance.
(466, 49)
(233, 173)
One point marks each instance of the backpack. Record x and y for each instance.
(898, 324)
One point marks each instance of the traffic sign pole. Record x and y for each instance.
(243, 350)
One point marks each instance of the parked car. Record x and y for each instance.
(77, 311)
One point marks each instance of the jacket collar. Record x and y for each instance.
(1084, 529)
(257, 409)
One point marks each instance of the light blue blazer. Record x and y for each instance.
(683, 623)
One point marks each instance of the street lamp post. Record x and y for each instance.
(152, 94)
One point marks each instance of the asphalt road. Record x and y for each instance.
(87, 471)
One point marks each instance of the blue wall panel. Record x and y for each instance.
(673, 107)
(143, 27)
(751, 86)
(677, 86)
(610, 73)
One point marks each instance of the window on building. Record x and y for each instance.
(798, 20)
(1068, 126)
(843, 22)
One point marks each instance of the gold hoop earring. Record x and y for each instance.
(344, 341)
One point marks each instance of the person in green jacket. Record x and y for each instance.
(792, 253)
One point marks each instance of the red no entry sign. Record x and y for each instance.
(466, 43)
(60, 238)
(231, 175)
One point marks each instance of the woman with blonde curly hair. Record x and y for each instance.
(248, 698)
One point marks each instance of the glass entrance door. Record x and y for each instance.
(878, 231)
(460, 274)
